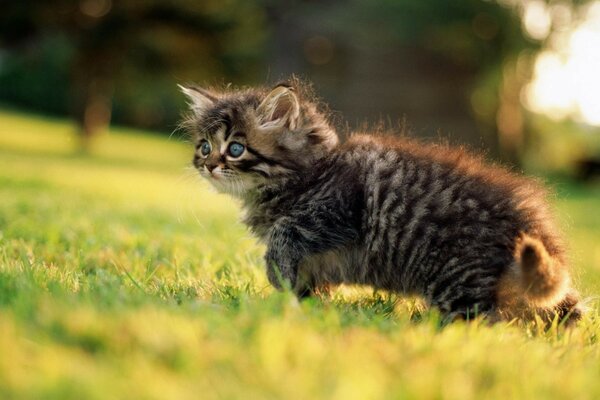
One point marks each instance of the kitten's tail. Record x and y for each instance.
(544, 280)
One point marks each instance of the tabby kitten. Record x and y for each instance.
(381, 211)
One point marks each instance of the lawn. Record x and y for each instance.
(123, 276)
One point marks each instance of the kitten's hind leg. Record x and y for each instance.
(478, 310)
(568, 311)
(466, 297)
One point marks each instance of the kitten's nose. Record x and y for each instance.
(210, 167)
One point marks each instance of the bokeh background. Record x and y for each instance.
(122, 275)
(516, 78)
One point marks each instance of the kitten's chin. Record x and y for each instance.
(233, 187)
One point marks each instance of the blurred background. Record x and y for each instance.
(519, 79)
(123, 276)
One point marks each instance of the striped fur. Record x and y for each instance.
(382, 211)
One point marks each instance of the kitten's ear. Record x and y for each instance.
(200, 99)
(280, 107)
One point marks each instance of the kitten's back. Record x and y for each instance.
(441, 221)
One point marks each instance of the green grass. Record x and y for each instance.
(123, 276)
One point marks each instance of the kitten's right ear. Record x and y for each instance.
(279, 107)
(200, 99)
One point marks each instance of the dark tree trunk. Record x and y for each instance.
(92, 87)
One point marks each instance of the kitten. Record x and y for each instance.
(381, 211)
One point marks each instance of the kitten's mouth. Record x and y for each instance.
(212, 174)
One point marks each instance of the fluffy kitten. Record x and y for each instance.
(381, 211)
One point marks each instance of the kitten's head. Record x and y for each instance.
(245, 138)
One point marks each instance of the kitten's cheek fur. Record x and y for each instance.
(203, 172)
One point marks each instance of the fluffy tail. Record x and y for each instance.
(544, 280)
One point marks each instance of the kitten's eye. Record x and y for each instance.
(235, 149)
(205, 148)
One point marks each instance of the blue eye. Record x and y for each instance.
(205, 148)
(236, 149)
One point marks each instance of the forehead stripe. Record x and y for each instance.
(261, 157)
(228, 130)
(251, 165)
(215, 121)
(228, 125)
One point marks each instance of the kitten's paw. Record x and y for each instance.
(275, 278)
(281, 268)
(280, 278)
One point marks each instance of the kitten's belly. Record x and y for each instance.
(343, 265)
(348, 265)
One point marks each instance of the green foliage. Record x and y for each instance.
(123, 276)
(137, 49)
(558, 146)
(62, 55)
(38, 78)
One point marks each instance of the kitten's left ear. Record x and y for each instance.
(200, 99)
(280, 107)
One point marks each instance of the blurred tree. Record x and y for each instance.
(110, 45)
(456, 66)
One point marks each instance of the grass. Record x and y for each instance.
(124, 276)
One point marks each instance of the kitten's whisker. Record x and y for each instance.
(188, 179)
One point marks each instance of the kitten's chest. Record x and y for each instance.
(259, 223)
(267, 208)
(260, 218)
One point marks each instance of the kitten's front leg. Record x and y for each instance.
(299, 235)
(280, 269)
(284, 253)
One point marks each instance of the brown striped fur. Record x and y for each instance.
(396, 214)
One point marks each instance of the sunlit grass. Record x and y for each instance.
(123, 276)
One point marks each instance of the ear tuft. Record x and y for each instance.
(199, 99)
(280, 107)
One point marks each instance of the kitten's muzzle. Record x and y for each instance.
(211, 167)
(214, 170)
